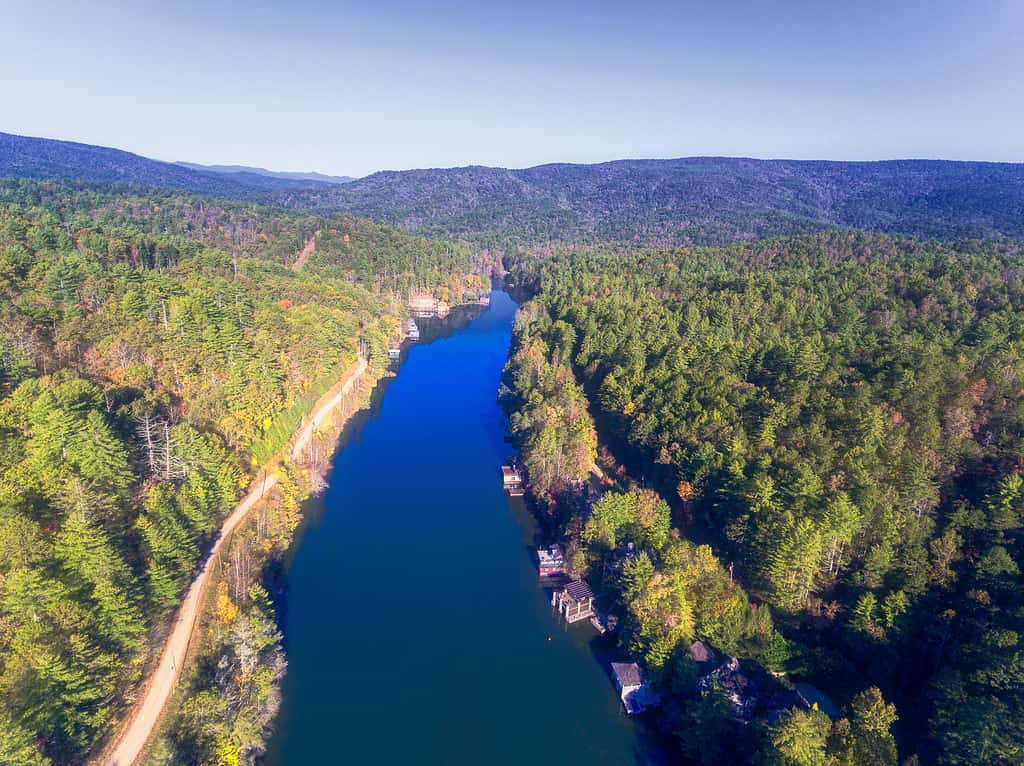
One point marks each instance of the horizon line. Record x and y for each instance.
(484, 166)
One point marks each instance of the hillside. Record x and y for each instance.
(26, 157)
(696, 200)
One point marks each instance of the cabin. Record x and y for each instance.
(636, 694)
(412, 330)
(550, 561)
(512, 480)
(575, 602)
(614, 564)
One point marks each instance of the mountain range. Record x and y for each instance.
(696, 200)
(699, 200)
(234, 170)
(27, 157)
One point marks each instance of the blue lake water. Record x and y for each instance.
(415, 627)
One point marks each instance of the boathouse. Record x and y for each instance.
(575, 602)
(635, 692)
(550, 561)
(512, 480)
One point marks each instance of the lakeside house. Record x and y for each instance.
(614, 564)
(734, 686)
(760, 696)
(634, 691)
(550, 561)
(575, 602)
(423, 304)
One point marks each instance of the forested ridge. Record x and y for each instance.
(155, 350)
(836, 420)
(634, 203)
(687, 201)
(378, 257)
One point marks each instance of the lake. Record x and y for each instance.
(415, 626)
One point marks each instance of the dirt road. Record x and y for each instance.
(307, 251)
(161, 684)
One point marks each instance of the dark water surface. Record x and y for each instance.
(415, 627)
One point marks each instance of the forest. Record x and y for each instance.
(155, 350)
(821, 455)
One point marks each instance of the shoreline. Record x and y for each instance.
(197, 603)
(136, 730)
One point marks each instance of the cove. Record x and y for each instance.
(415, 627)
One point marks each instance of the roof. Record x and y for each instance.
(578, 590)
(627, 673)
(736, 687)
(550, 556)
(731, 679)
(700, 652)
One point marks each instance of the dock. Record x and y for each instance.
(575, 602)
(409, 331)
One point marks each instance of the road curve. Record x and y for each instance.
(161, 684)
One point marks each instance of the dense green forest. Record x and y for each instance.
(836, 420)
(374, 255)
(391, 261)
(154, 352)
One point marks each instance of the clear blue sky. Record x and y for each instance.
(356, 87)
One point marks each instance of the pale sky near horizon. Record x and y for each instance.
(350, 88)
